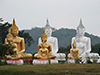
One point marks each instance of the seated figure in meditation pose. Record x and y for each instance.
(53, 41)
(74, 52)
(18, 42)
(44, 48)
(83, 43)
(10, 40)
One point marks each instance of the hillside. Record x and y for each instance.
(64, 36)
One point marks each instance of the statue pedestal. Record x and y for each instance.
(44, 61)
(60, 56)
(98, 61)
(28, 60)
(71, 61)
(94, 57)
(18, 61)
(14, 61)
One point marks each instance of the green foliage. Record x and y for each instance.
(94, 61)
(3, 31)
(96, 48)
(33, 55)
(88, 60)
(77, 60)
(3, 62)
(6, 49)
(0, 62)
(64, 50)
(49, 62)
(1, 20)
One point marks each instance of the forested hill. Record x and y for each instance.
(64, 36)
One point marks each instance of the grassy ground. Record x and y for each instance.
(54, 69)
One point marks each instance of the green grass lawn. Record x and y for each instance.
(54, 69)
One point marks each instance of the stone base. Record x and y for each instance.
(61, 61)
(28, 61)
(44, 61)
(18, 61)
(60, 57)
(71, 61)
(98, 61)
(14, 61)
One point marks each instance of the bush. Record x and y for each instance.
(88, 60)
(77, 60)
(3, 63)
(6, 49)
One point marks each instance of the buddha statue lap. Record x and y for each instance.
(83, 43)
(44, 48)
(54, 43)
(74, 52)
(17, 42)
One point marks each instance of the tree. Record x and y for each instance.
(3, 30)
(28, 39)
(1, 20)
(96, 48)
(6, 49)
(64, 50)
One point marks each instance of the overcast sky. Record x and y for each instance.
(60, 13)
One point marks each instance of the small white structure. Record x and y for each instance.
(44, 61)
(14, 61)
(54, 42)
(83, 44)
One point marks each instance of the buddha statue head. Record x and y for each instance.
(74, 44)
(44, 36)
(48, 29)
(14, 29)
(81, 29)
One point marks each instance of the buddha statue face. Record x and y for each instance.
(14, 32)
(14, 29)
(48, 31)
(44, 39)
(44, 36)
(81, 31)
(74, 45)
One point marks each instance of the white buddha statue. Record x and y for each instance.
(54, 42)
(83, 43)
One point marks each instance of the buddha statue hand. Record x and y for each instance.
(22, 51)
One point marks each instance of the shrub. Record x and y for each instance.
(88, 60)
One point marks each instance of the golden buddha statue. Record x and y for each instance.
(44, 48)
(16, 41)
(10, 39)
(74, 52)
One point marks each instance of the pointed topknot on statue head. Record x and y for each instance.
(80, 25)
(47, 25)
